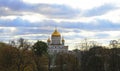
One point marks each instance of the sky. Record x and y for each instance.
(96, 20)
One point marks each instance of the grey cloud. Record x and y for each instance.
(31, 30)
(16, 7)
(18, 22)
(102, 25)
(99, 10)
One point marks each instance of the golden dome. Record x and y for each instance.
(63, 40)
(56, 33)
(48, 40)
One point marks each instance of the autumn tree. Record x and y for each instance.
(93, 60)
(23, 58)
(114, 60)
(66, 62)
(7, 57)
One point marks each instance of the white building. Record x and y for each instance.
(56, 44)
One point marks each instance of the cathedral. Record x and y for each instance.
(56, 43)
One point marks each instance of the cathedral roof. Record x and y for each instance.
(56, 33)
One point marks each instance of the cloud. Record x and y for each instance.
(102, 35)
(30, 33)
(59, 11)
(14, 23)
(98, 25)
(18, 7)
(101, 10)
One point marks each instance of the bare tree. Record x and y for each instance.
(86, 44)
(113, 44)
(23, 57)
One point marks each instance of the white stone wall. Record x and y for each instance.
(56, 40)
(56, 49)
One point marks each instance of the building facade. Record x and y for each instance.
(56, 43)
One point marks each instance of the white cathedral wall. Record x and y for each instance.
(56, 40)
(57, 49)
(56, 45)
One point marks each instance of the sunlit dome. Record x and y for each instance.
(63, 40)
(56, 33)
(48, 40)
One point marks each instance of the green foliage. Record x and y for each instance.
(40, 48)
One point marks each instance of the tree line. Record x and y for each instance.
(20, 55)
